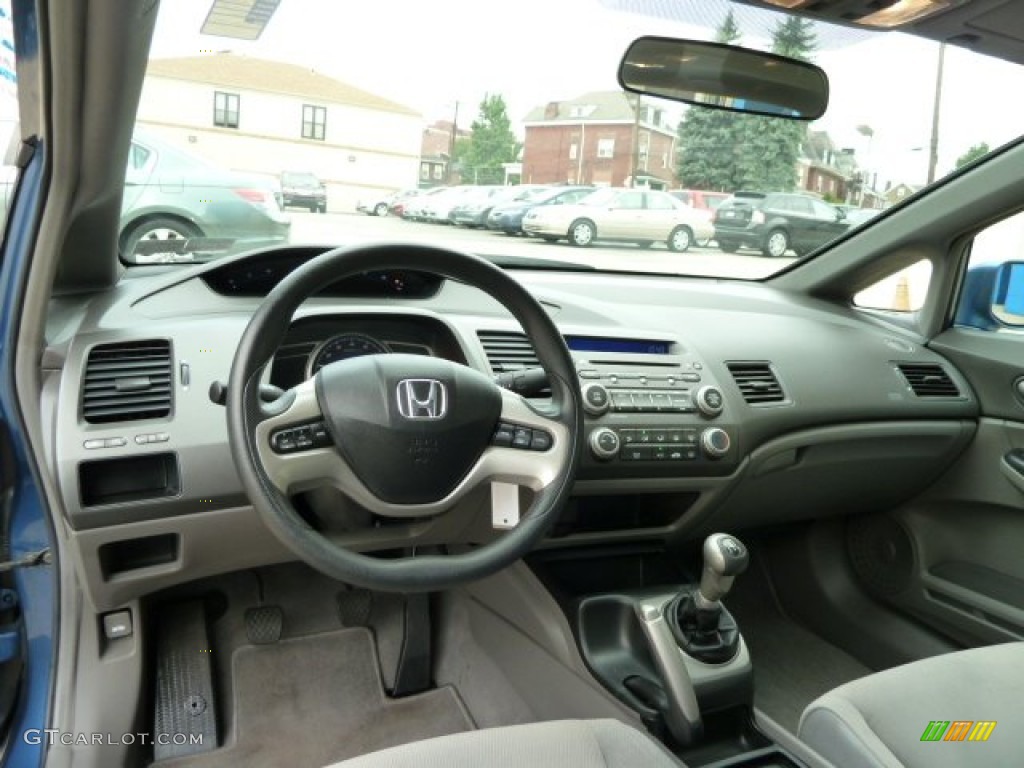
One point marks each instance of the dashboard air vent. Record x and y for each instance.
(127, 381)
(757, 382)
(508, 350)
(928, 380)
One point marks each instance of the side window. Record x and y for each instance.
(630, 200)
(777, 203)
(992, 295)
(902, 291)
(824, 211)
(800, 205)
(137, 156)
(656, 201)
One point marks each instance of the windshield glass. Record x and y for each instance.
(310, 122)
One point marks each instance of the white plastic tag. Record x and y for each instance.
(504, 506)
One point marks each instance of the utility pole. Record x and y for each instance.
(636, 141)
(933, 155)
(451, 146)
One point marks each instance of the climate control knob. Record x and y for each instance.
(604, 443)
(715, 442)
(596, 399)
(709, 401)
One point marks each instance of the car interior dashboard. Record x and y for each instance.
(692, 421)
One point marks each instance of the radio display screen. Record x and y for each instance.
(627, 346)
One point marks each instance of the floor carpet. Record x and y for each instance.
(792, 666)
(310, 701)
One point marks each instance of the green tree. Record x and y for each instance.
(972, 154)
(768, 147)
(708, 137)
(491, 143)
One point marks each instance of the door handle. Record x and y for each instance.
(1013, 467)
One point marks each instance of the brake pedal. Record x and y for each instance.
(263, 624)
(185, 696)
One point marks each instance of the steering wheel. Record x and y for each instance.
(404, 436)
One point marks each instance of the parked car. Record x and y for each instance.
(475, 210)
(398, 201)
(438, 209)
(176, 204)
(636, 215)
(414, 207)
(508, 217)
(376, 205)
(701, 199)
(856, 216)
(777, 222)
(303, 190)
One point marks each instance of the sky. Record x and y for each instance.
(430, 54)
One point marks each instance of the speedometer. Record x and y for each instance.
(342, 347)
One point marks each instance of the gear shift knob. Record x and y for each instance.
(725, 557)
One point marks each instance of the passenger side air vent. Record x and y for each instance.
(508, 350)
(756, 382)
(928, 380)
(127, 381)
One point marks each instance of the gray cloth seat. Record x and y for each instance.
(880, 720)
(554, 744)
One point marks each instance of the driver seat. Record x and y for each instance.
(553, 744)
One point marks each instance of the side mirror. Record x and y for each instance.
(1008, 294)
(724, 77)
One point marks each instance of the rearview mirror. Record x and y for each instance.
(724, 77)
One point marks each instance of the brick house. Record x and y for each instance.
(826, 170)
(590, 140)
(435, 151)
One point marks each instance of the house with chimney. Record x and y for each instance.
(602, 138)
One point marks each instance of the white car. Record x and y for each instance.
(635, 215)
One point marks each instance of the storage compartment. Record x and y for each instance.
(134, 478)
(118, 557)
(601, 514)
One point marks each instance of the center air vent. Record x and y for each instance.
(127, 381)
(928, 380)
(508, 350)
(756, 382)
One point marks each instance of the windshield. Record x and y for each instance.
(305, 120)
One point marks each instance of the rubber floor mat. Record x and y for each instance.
(312, 701)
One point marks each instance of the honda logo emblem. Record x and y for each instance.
(422, 399)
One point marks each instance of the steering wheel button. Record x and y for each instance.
(541, 441)
(522, 438)
(503, 435)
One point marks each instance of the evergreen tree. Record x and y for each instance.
(770, 147)
(707, 137)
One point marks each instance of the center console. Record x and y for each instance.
(677, 657)
(659, 413)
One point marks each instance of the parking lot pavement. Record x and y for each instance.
(345, 228)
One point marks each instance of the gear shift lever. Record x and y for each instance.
(699, 622)
(725, 558)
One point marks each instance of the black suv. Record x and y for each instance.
(303, 190)
(776, 222)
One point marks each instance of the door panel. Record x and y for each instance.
(966, 533)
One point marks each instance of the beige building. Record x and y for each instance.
(266, 117)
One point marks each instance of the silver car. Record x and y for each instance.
(178, 207)
(635, 215)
